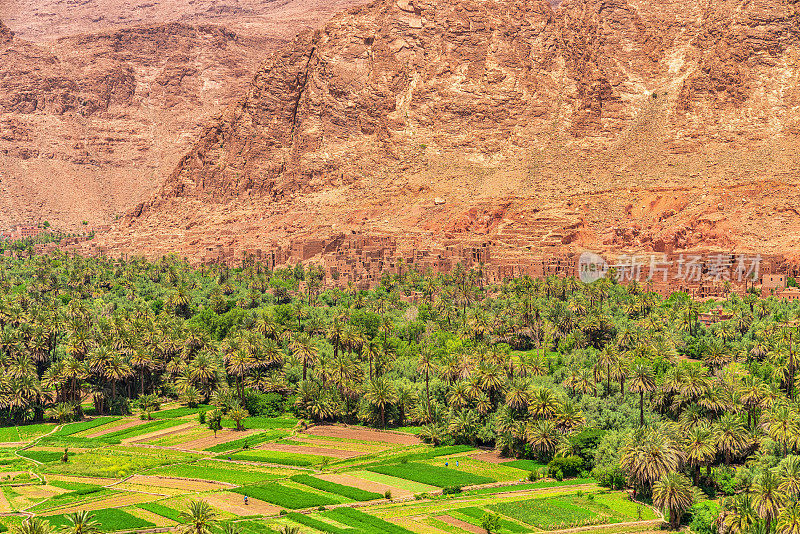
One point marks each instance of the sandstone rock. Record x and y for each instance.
(606, 101)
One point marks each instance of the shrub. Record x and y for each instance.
(569, 466)
(490, 522)
(451, 490)
(610, 477)
(704, 517)
(387, 495)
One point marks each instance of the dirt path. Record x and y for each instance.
(301, 449)
(463, 525)
(223, 436)
(652, 522)
(365, 434)
(366, 485)
(234, 504)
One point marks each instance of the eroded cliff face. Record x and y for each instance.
(99, 100)
(570, 117)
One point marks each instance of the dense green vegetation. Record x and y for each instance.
(603, 379)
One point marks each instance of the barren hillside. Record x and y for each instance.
(99, 99)
(613, 123)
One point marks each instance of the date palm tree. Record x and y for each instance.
(649, 454)
(82, 522)
(32, 525)
(673, 493)
(642, 381)
(198, 519)
(789, 520)
(701, 448)
(381, 393)
(731, 436)
(768, 499)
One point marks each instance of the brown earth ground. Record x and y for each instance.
(493, 457)
(5, 506)
(223, 436)
(300, 449)
(234, 504)
(463, 525)
(157, 434)
(113, 428)
(178, 483)
(351, 445)
(337, 431)
(366, 485)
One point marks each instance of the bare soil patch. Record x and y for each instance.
(178, 483)
(366, 485)
(301, 449)
(4, 504)
(340, 431)
(109, 428)
(223, 436)
(493, 457)
(234, 504)
(460, 524)
(158, 434)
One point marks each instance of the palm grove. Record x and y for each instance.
(603, 379)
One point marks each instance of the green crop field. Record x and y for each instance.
(350, 492)
(570, 511)
(525, 465)
(251, 441)
(74, 428)
(276, 457)
(163, 511)
(110, 519)
(291, 498)
(216, 471)
(431, 474)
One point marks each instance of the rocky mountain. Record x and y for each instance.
(100, 99)
(594, 123)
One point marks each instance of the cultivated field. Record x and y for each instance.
(136, 475)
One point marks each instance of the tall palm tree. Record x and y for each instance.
(739, 516)
(32, 525)
(768, 499)
(305, 351)
(649, 454)
(82, 522)
(789, 472)
(701, 447)
(198, 519)
(427, 366)
(381, 393)
(642, 381)
(673, 493)
(731, 436)
(789, 520)
(544, 437)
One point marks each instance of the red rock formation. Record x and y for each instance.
(564, 116)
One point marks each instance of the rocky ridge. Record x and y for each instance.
(598, 123)
(93, 114)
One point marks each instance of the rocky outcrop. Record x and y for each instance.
(5, 33)
(536, 126)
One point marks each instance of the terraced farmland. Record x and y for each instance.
(133, 474)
